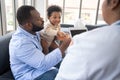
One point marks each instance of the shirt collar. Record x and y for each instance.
(25, 32)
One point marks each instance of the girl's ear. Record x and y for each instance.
(114, 4)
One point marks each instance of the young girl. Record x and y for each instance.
(51, 31)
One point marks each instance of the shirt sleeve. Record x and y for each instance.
(29, 54)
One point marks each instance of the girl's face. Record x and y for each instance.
(55, 18)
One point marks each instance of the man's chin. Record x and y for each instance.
(41, 27)
(37, 29)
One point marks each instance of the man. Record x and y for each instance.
(95, 55)
(26, 57)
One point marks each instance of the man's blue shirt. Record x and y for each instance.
(26, 58)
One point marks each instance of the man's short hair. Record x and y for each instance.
(23, 14)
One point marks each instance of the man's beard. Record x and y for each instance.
(36, 28)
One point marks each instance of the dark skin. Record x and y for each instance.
(46, 48)
(63, 46)
(37, 20)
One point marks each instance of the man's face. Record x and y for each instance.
(37, 21)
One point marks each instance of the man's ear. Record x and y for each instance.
(114, 4)
(28, 25)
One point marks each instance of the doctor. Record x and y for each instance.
(95, 55)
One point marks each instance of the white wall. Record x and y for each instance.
(41, 7)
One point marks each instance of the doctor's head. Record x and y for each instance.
(111, 10)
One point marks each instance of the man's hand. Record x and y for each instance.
(45, 47)
(64, 45)
(61, 36)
